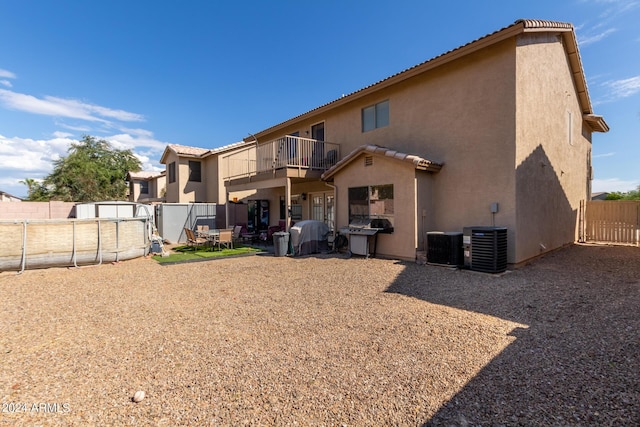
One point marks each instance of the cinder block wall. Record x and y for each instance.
(36, 210)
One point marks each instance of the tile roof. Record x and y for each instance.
(184, 150)
(229, 147)
(418, 162)
(146, 174)
(188, 151)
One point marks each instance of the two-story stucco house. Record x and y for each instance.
(495, 132)
(196, 175)
(146, 186)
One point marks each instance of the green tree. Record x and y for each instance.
(92, 171)
(37, 191)
(631, 195)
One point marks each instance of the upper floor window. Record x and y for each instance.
(144, 187)
(194, 171)
(317, 131)
(172, 172)
(375, 116)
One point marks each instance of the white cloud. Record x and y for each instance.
(590, 39)
(149, 164)
(5, 74)
(613, 184)
(32, 158)
(6, 83)
(69, 108)
(618, 7)
(59, 134)
(597, 156)
(85, 129)
(623, 88)
(143, 139)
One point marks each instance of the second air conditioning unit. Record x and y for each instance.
(444, 248)
(485, 248)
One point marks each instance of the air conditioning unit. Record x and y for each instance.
(485, 248)
(444, 248)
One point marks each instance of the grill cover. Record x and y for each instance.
(309, 237)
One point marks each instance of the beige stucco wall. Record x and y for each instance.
(498, 121)
(192, 191)
(183, 190)
(461, 114)
(552, 155)
(214, 184)
(36, 210)
(157, 186)
(134, 191)
(402, 242)
(173, 188)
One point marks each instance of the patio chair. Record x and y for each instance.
(226, 238)
(193, 240)
(202, 231)
(271, 230)
(237, 234)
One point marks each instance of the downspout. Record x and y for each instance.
(335, 211)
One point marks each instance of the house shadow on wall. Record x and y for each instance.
(545, 216)
(577, 359)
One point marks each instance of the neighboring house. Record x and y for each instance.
(6, 197)
(146, 187)
(599, 196)
(502, 123)
(195, 174)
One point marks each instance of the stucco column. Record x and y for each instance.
(287, 204)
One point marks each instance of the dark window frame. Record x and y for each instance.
(375, 116)
(144, 187)
(171, 171)
(195, 172)
(362, 198)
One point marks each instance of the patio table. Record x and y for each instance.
(212, 235)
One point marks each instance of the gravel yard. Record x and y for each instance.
(324, 340)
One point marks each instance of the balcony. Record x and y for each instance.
(294, 156)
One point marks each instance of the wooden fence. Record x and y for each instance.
(610, 221)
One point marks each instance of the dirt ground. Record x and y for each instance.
(324, 340)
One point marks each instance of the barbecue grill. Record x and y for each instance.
(363, 234)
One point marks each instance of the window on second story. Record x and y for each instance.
(375, 116)
(144, 187)
(317, 131)
(172, 172)
(194, 171)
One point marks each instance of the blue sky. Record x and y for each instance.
(142, 74)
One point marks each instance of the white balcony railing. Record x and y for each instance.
(285, 152)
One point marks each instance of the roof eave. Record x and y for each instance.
(419, 163)
(596, 123)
